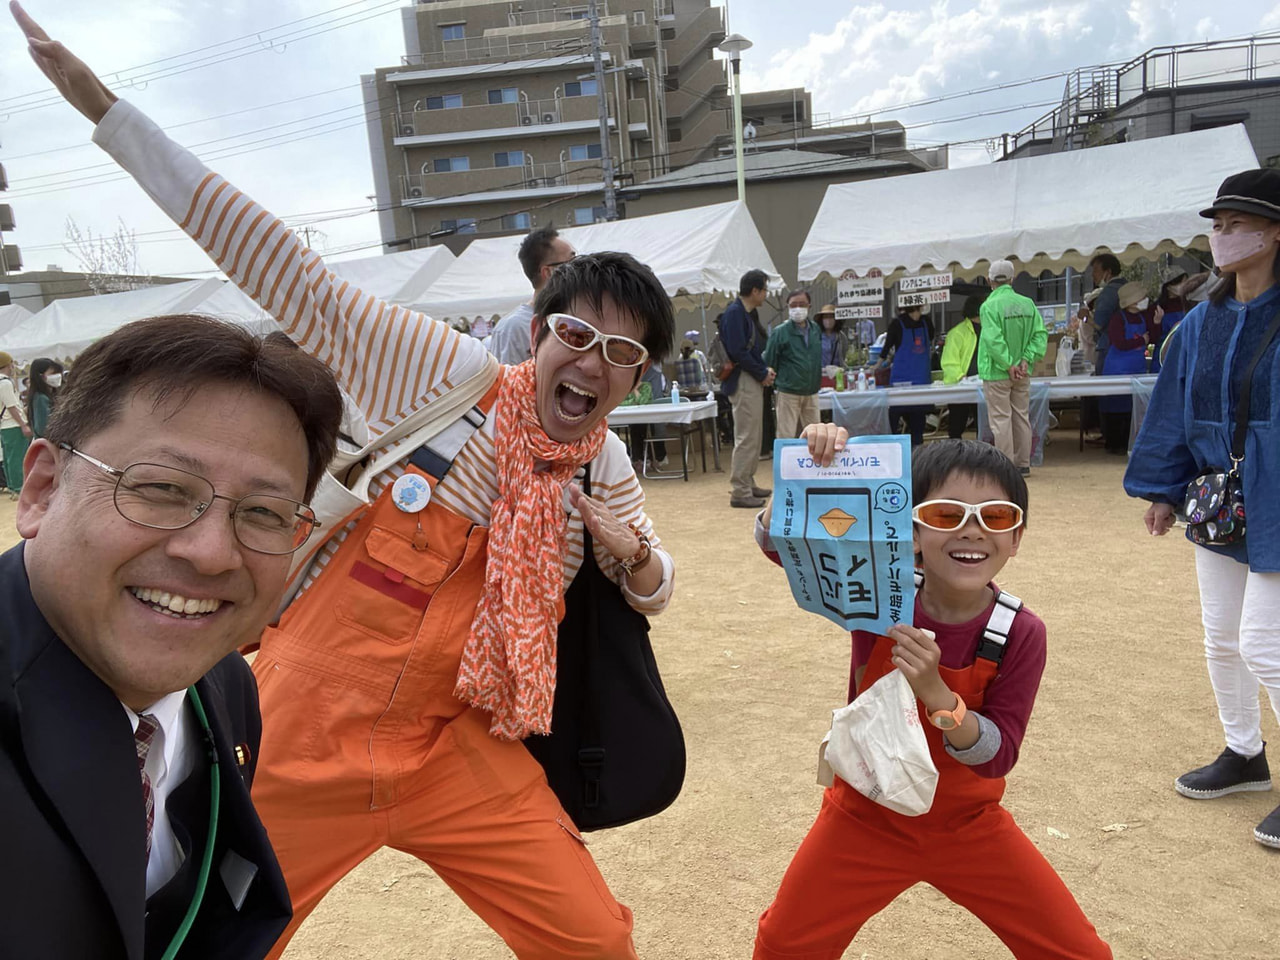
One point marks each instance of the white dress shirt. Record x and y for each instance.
(169, 762)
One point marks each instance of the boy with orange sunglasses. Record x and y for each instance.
(973, 657)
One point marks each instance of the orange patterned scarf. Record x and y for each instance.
(509, 660)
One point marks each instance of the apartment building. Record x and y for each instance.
(10, 255)
(491, 123)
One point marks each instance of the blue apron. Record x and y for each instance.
(1125, 363)
(911, 359)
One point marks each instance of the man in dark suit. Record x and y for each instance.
(159, 517)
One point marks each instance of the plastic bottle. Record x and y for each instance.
(862, 379)
(839, 379)
(675, 392)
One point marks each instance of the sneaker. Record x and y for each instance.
(1267, 832)
(761, 492)
(1025, 471)
(1230, 773)
(747, 503)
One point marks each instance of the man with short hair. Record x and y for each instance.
(159, 517)
(1013, 339)
(795, 351)
(15, 432)
(540, 253)
(744, 341)
(1105, 270)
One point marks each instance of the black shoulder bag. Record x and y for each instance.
(1214, 505)
(615, 753)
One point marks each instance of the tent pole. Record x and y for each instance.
(702, 304)
(1071, 275)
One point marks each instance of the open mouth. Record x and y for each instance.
(174, 604)
(573, 403)
(970, 558)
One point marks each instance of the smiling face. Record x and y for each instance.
(578, 389)
(151, 611)
(965, 560)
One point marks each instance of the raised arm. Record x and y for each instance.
(389, 359)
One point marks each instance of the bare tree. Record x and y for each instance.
(110, 263)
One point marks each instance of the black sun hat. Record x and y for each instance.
(1254, 191)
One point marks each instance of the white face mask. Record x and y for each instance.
(798, 313)
(53, 379)
(1142, 304)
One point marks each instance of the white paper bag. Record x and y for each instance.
(1066, 350)
(877, 746)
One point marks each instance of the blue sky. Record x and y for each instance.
(310, 156)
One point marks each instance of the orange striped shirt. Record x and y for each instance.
(391, 360)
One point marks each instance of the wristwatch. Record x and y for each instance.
(949, 719)
(632, 565)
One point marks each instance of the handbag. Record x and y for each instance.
(1214, 503)
(616, 752)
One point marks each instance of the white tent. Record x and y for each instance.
(396, 277)
(11, 315)
(1051, 211)
(65, 327)
(704, 250)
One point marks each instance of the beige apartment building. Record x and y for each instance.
(491, 123)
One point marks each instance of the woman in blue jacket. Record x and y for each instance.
(1188, 431)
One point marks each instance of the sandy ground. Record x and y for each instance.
(1125, 706)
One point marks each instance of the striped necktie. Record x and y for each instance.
(143, 737)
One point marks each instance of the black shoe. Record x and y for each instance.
(761, 492)
(747, 503)
(1025, 471)
(1267, 832)
(1230, 773)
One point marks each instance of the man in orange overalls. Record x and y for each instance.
(421, 648)
(969, 517)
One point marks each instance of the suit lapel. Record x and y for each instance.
(77, 742)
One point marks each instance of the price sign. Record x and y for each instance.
(860, 313)
(852, 290)
(920, 299)
(933, 281)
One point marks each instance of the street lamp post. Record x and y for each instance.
(734, 45)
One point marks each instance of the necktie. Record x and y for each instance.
(142, 740)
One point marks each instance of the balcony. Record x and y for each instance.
(554, 14)
(475, 50)
(532, 176)
(527, 118)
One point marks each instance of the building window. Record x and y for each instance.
(511, 158)
(584, 215)
(453, 31)
(517, 221)
(505, 95)
(580, 88)
(448, 165)
(450, 101)
(585, 151)
(466, 225)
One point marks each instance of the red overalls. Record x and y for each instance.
(859, 856)
(364, 744)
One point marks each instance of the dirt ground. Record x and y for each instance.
(1125, 706)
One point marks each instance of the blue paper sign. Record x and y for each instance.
(843, 532)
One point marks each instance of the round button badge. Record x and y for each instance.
(411, 493)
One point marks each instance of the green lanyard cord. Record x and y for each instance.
(206, 864)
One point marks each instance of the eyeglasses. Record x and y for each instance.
(994, 516)
(581, 336)
(166, 498)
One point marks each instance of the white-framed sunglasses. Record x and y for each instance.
(581, 336)
(994, 516)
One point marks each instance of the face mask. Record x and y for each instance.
(799, 313)
(53, 379)
(1142, 304)
(1232, 248)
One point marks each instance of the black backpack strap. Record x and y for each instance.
(436, 457)
(1246, 389)
(591, 753)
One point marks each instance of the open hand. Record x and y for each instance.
(825, 441)
(614, 535)
(76, 82)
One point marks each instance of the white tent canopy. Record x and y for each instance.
(704, 250)
(66, 327)
(396, 277)
(1045, 212)
(12, 314)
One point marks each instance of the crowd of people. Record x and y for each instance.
(160, 795)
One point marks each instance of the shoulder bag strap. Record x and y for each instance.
(591, 752)
(1242, 405)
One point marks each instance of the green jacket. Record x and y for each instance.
(957, 352)
(1012, 331)
(799, 365)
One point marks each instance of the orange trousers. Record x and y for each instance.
(859, 856)
(365, 746)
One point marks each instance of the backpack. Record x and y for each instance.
(722, 366)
